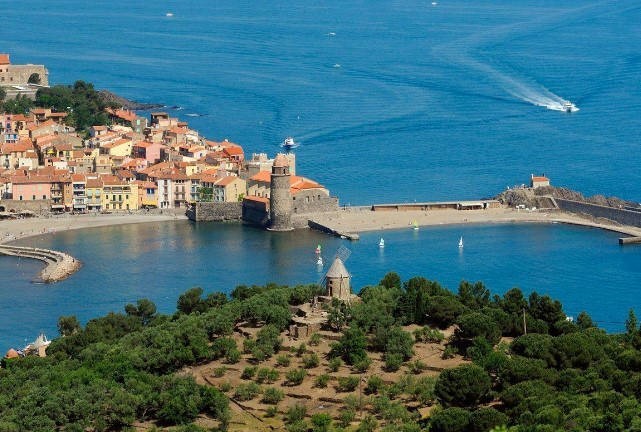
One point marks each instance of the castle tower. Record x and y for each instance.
(337, 281)
(280, 200)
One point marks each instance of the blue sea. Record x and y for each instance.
(391, 101)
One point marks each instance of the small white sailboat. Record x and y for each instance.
(415, 225)
(381, 243)
(318, 249)
(319, 261)
(460, 243)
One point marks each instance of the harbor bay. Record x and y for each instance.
(161, 260)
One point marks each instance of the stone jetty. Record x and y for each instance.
(59, 265)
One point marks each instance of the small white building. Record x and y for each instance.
(539, 181)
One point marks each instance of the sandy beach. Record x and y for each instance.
(14, 229)
(355, 220)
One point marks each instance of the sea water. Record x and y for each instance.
(429, 103)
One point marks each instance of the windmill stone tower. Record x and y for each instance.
(337, 281)
(280, 205)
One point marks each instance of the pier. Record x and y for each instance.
(59, 265)
(629, 240)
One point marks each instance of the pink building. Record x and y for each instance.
(31, 188)
(150, 151)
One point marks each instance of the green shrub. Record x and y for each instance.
(259, 355)
(450, 420)
(283, 360)
(220, 371)
(334, 364)
(321, 381)
(463, 386)
(423, 390)
(346, 416)
(295, 413)
(393, 362)
(295, 376)
(311, 361)
(347, 384)
(271, 411)
(248, 373)
(368, 424)
(321, 422)
(449, 352)
(302, 349)
(266, 375)
(272, 396)
(315, 339)
(416, 367)
(299, 426)
(374, 384)
(225, 387)
(362, 365)
(233, 356)
(245, 392)
(249, 345)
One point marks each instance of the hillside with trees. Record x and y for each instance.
(409, 356)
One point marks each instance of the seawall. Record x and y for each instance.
(59, 265)
(215, 211)
(622, 216)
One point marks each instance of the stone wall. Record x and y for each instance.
(36, 206)
(625, 217)
(255, 212)
(313, 201)
(19, 75)
(280, 207)
(215, 211)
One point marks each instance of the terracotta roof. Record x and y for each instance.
(233, 150)
(226, 181)
(540, 179)
(94, 182)
(11, 353)
(257, 198)
(116, 143)
(42, 125)
(78, 178)
(111, 180)
(20, 146)
(123, 114)
(4, 59)
(262, 176)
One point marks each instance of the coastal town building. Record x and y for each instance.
(21, 80)
(539, 181)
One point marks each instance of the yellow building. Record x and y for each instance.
(121, 147)
(118, 195)
(94, 192)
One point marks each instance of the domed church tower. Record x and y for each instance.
(280, 200)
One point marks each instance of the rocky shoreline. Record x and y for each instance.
(114, 99)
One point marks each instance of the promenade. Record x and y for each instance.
(15, 229)
(361, 219)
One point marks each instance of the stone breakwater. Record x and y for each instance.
(59, 265)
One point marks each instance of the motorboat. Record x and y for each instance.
(319, 261)
(169, 14)
(569, 107)
(289, 143)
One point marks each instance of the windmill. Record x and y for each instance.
(342, 253)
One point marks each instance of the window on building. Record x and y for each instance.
(44, 197)
(33, 197)
(20, 197)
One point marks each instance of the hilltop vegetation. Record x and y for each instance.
(374, 373)
(85, 106)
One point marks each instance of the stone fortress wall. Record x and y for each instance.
(622, 216)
